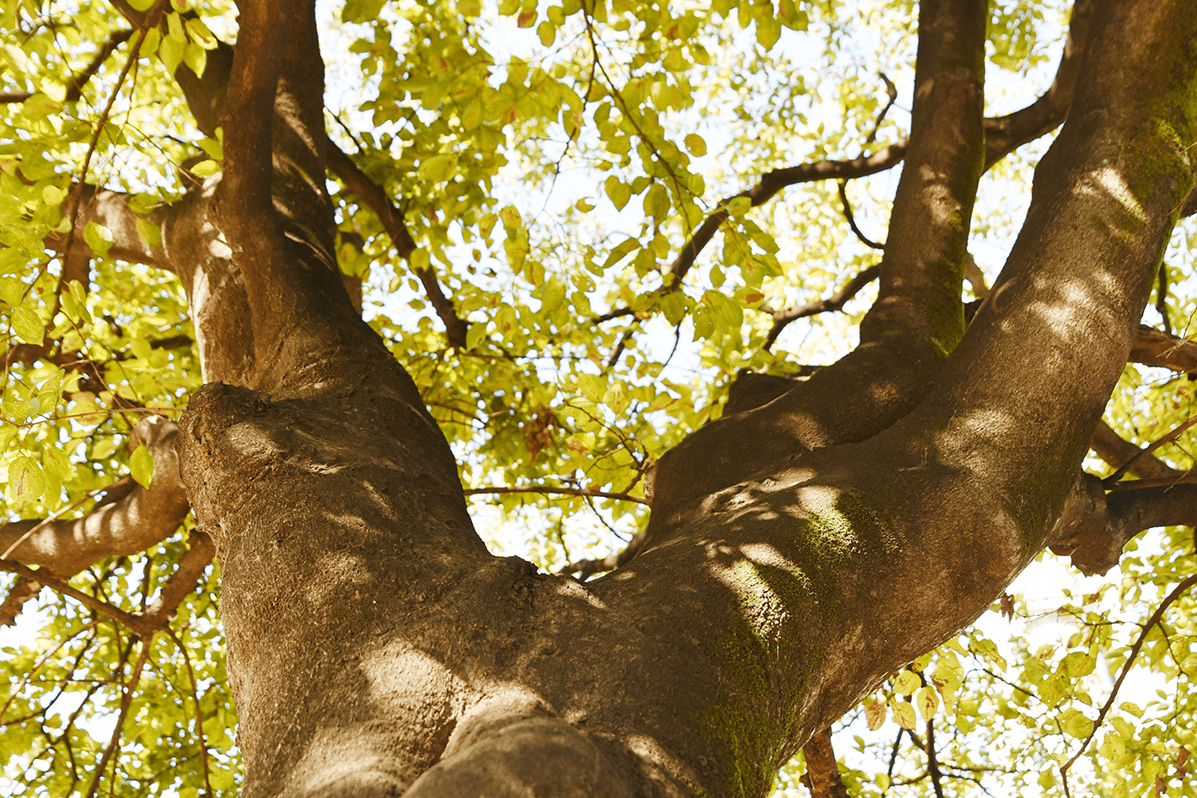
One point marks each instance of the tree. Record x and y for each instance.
(810, 535)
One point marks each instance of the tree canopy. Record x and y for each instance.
(586, 231)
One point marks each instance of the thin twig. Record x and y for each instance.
(834, 302)
(847, 206)
(78, 81)
(126, 700)
(1112, 479)
(199, 725)
(1176, 593)
(600, 494)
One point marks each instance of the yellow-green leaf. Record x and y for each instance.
(904, 714)
(98, 237)
(906, 683)
(28, 325)
(927, 700)
(141, 465)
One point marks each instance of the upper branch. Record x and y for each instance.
(923, 266)
(392, 221)
(1005, 133)
(1066, 307)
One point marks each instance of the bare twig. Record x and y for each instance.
(1161, 298)
(586, 568)
(199, 717)
(847, 206)
(562, 491)
(836, 301)
(932, 761)
(1154, 347)
(1116, 452)
(126, 700)
(1112, 479)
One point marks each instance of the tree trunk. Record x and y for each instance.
(799, 551)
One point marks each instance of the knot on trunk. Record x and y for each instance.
(1083, 532)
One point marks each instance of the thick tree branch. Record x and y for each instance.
(919, 297)
(1003, 135)
(1168, 437)
(1157, 348)
(1096, 525)
(111, 209)
(137, 520)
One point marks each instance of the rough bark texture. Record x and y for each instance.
(825, 534)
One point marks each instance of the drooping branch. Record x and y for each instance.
(392, 221)
(1004, 134)
(1155, 618)
(842, 186)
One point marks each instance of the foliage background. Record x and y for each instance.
(551, 162)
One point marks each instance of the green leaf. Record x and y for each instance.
(141, 465)
(27, 325)
(904, 714)
(618, 191)
(475, 334)
(205, 168)
(171, 50)
(906, 683)
(437, 168)
(26, 482)
(696, 144)
(196, 58)
(199, 33)
(592, 387)
(149, 232)
(98, 237)
(1075, 724)
(53, 195)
